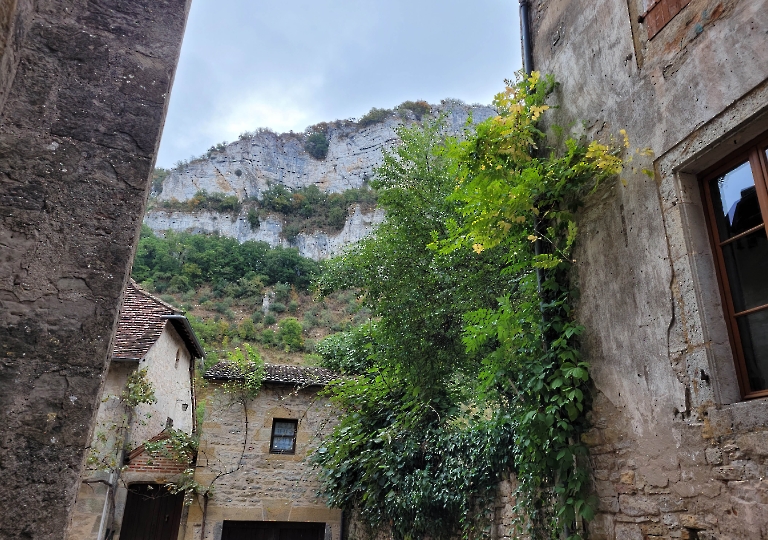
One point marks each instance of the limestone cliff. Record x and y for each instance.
(247, 167)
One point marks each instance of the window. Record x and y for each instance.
(736, 198)
(283, 437)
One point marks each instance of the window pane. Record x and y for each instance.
(754, 338)
(284, 429)
(735, 201)
(282, 443)
(746, 262)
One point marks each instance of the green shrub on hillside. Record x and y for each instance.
(418, 108)
(202, 200)
(374, 116)
(290, 334)
(316, 145)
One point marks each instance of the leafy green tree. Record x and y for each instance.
(415, 380)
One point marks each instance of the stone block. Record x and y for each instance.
(754, 444)
(714, 456)
(638, 505)
(628, 531)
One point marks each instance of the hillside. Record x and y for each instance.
(337, 158)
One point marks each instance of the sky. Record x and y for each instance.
(289, 64)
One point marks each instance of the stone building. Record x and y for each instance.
(153, 336)
(672, 267)
(255, 457)
(84, 87)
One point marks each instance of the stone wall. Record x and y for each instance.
(674, 452)
(84, 87)
(252, 484)
(172, 381)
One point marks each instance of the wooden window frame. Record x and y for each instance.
(755, 153)
(272, 437)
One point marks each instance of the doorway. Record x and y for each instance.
(151, 513)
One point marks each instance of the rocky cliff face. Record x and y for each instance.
(247, 167)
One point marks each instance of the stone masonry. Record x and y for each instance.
(250, 483)
(675, 452)
(84, 86)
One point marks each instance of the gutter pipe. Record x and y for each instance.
(525, 37)
(538, 246)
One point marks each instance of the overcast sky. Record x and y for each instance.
(288, 64)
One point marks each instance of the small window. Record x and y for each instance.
(736, 198)
(283, 437)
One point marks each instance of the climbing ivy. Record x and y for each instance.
(515, 196)
(461, 389)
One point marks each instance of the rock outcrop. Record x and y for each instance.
(246, 168)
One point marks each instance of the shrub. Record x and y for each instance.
(268, 337)
(282, 292)
(277, 307)
(374, 116)
(316, 145)
(246, 330)
(418, 108)
(293, 306)
(257, 316)
(269, 319)
(290, 334)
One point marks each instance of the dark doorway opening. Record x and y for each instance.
(151, 513)
(272, 530)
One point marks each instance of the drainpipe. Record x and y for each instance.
(525, 37)
(105, 510)
(538, 246)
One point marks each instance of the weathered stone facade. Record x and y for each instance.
(675, 451)
(145, 340)
(84, 86)
(254, 484)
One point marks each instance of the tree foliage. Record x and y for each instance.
(182, 261)
(474, 368)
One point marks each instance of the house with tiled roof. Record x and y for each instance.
(256, 458)
(121, 492)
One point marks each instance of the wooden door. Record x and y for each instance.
(151, 513)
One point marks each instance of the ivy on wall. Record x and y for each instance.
(474, 368)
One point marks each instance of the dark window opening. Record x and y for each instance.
(736, 198)
(272, 530)
(283, 437)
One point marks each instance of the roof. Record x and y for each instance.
(276, 374)
(142, 319)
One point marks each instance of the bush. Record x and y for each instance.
(290, 334)
(293, 306)
(277, 307)
(257, 316)
(282, 292)
(316, 145)
(374, 116)
(247, 330)
(268, 337)
(253, 218)
(269, 319)
(418, 108)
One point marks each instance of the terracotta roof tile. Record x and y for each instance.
(140, 324)
(275, 373)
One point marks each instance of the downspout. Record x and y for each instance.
(538, 246)
(105, 510)
(525, 37)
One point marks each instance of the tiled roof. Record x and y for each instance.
(140, 324)
(279, 374)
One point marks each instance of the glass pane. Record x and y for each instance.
(735, 201)
(284, 429)
(754, 338)
(746, 262)
(282, 443)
